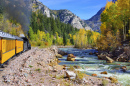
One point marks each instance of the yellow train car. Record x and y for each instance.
(19, 45)
(11, 45)
(7, 46)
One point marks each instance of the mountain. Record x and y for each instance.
(94, 22)
(64, 15)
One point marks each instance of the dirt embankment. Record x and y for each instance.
(39, 67)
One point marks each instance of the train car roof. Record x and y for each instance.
(7, 35)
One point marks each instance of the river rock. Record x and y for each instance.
(70, 74)
(123, 68)
(71, 57)
(94, 74)
(105, 72)
(109, 60)
(58, 56)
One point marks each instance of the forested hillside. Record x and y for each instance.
(47, 30)
(115, 26)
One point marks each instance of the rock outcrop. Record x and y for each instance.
(65, 16)
(95, 22)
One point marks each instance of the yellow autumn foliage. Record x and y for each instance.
(86, 38)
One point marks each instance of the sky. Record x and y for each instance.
(85, 9)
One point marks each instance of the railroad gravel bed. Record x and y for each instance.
(29, 69)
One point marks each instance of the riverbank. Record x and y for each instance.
(90, 65)
(39, 67)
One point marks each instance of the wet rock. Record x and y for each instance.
(70, 74)
(109, 60)
(71, 57)
(58, 56)
(105, 72)
(123, 68)
(94, 74)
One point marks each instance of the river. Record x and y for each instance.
(91, 65)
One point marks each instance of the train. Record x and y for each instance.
(11, 45)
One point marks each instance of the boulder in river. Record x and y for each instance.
(105, 72)
(109, 60)
(123, 68)
(70, 57)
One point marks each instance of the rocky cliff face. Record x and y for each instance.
(65, 16)
(95, 22)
